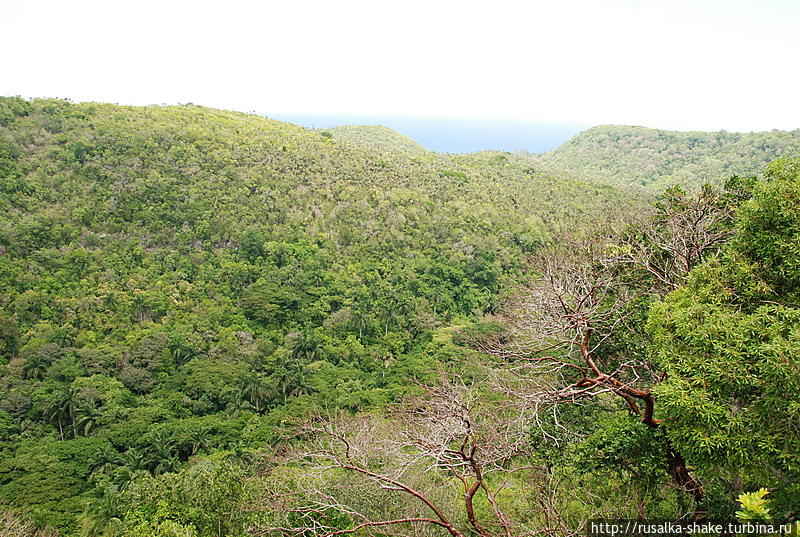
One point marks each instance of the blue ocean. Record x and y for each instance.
(449, 135)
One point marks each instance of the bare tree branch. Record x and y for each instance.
(452, 435)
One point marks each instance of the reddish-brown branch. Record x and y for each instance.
(581, 300)
(679, 471)
(445, 522)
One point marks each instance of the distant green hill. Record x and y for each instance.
(620, 155)
(376, 137)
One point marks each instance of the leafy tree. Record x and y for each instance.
(62, 408)
(254, 390)
(728, 341)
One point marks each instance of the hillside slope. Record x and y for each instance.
(376, 137)
(653, 158)
(178, 282)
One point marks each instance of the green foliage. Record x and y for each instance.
(47, 478)
(484, 330)
(755, 506)
(102, 517)
(11, 108)
(329, 518)
(178, 282)
(374, 137)
(728, 342)
(653, 158)
(623, 444)
(208, 498)
(9, 335)
(180, 285)
(770, 228)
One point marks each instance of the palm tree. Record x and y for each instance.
(304, 345)
(301, 385)
(161, 452)
(241, 455)
(292, 379)
(253, 390)
(360, 321)
(106, 459)
(124, 476)
(102, 516)
(135, 459)
(181, 354)
(238, 405)
(34, 368)
(86, 419)
(197, 439)
(62, 409)
(166, 465)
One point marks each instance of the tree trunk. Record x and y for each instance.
(681, 474)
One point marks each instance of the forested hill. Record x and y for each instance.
(213, 323)
(176, 281)
(639, 156)
(375, 137)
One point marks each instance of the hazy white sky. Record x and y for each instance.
(695, 64)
